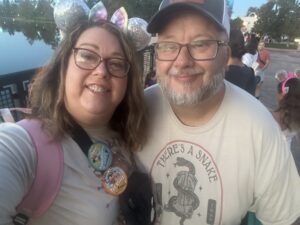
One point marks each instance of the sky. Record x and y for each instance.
(240, 7)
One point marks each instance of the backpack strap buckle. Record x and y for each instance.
(20, 219)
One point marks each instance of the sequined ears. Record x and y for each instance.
(68, 12)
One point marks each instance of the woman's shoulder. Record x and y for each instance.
(18, 160)
(12, 129)
(16, 140)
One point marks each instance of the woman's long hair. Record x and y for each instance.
(47, 93)
(289, 104)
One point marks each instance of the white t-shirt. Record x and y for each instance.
(79, 201)
(289, 136)
(250, 60)
(215, 173)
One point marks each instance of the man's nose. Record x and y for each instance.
(184, 59)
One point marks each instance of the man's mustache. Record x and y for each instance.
(186, 71)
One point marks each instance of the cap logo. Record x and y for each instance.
(193, 1)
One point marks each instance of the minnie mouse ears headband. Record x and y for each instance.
(285, 89)
(283, 76)
(68, 12)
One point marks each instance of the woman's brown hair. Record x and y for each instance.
(46, 98)
(289, 105)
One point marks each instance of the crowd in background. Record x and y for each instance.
(246, 68)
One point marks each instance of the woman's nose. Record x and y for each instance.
(101, 70)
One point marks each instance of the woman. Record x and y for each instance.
(90, 87)
(263, 61)
(238, 73)
(288, 112)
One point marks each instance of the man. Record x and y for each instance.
(263, 60)
(214, 152)
(237, 72)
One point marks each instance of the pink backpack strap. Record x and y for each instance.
(49, 171)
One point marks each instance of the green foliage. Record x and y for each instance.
(293, 45)
(34, 19)
(44, 11)
(280, 18)
(252, 10)
(8, 10)
(26, 9)
(237, 23)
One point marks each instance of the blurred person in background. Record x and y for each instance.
(238, 73)
(263, 60)
(287, 113)
(150, 79)
(297, 72)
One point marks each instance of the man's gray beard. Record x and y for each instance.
(190, 98)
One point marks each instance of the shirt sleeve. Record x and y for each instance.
(247, 60)
(277, 192)
(17, 168)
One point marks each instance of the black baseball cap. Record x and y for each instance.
(215, 10)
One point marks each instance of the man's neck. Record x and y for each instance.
(235, 61)
(201, 113)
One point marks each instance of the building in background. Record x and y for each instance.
(248, 22)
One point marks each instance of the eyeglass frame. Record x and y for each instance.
(75, 51)
(218, 42)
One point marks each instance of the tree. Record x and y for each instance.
(279, 18)
(252, 10)
(44, 11)
(237, 23)
(26, 10)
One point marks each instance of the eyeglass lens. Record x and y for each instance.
(199, 50)
(89, 60)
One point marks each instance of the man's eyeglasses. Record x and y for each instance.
(88, 60)
(200, 50)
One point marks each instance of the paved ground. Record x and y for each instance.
(281, 59)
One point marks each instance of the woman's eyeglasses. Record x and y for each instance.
(88, 60)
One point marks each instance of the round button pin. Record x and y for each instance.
(114, 181)
(100, 156)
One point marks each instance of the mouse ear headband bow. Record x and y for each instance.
(68, 12)
(284, 88)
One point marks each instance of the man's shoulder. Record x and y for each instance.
(241, 102)
(246, 71)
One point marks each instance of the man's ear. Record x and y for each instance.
(227, 54)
